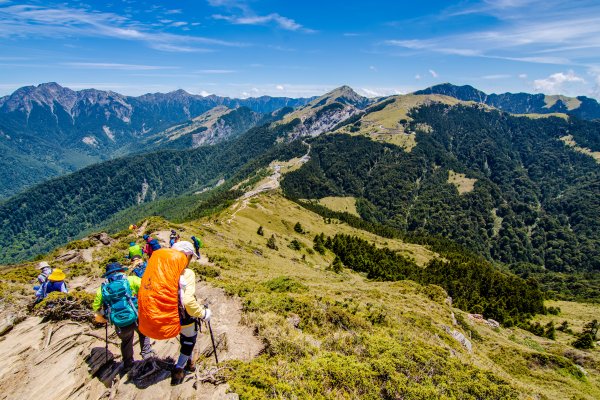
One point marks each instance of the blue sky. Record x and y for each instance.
(247, 48)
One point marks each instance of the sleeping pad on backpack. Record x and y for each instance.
(158, 297)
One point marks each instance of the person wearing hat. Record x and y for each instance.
(151, 245)
(192, 312)
(54, 283)
(107, 307)
(46, 270)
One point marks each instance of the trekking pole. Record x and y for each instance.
(106, 342)
(212, 338)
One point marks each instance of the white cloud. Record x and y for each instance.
(40, 21)
(116, 66)
(378, 91)
(523, 76)
(373, 68)
(417, 76)
(279, 87)
(568, 32)
(204, 93)
(179, 23)
(279, 20)
(558, 83)
(433, 73)
(249, 17)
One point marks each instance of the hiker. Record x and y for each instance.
(168, 304)
(115, 299)
(151, 245)
(197, 245)
(173, 238)
(134, 250)
(139, 266)
(46, 270)
(54, 283)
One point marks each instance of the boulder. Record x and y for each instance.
(103, 238)
(493, 323)
(69, 257)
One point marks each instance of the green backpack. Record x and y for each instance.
(121, 306)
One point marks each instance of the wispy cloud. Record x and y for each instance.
(496, 76)
(40, 21)
(246, 16)
(433, 73)
(115, 66)
(556, 34)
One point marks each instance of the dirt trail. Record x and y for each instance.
(48, 360)
(270, 183)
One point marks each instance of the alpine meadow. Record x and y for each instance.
(234, 199)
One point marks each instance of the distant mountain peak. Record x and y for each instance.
(521, 103)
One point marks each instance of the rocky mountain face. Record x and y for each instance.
(522, 103)
(48, 130)
(326, 112)
(214, 126)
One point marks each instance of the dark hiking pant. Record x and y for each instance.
(126, 335)
(187, 338)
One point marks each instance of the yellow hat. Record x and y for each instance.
(57, 275)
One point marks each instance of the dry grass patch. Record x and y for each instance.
(462, 183)
(569, 141)
(341, 204)
(571, 102)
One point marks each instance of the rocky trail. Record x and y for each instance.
(272, 182)
(67, 359)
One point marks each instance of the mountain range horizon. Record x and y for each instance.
(181, 91)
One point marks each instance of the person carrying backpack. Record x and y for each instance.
(151, 245)
(54, 283)
(134, 250)
(173, 238)
(116, 303)
(139, 266)
(168, 303)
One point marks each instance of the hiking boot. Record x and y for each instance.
(189, 366)
(148, 354)
(126, 368)
(177, 376)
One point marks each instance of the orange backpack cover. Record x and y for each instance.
(158, 297)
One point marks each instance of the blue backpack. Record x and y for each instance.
(121, 306)
(140, 269)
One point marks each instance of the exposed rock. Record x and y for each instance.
(103, 238)
(69, 257)
(583, 371)
(460, 338)
(294, 320)
(493, 323)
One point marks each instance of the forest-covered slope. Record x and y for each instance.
(533, 200)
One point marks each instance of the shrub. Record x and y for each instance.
(260, 231)
(337, 266)
(298, 228)
(271, 243)
(285, 284)
(295, 245)
(204, 271)
(58, 306)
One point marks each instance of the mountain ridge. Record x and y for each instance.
(521, 103)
